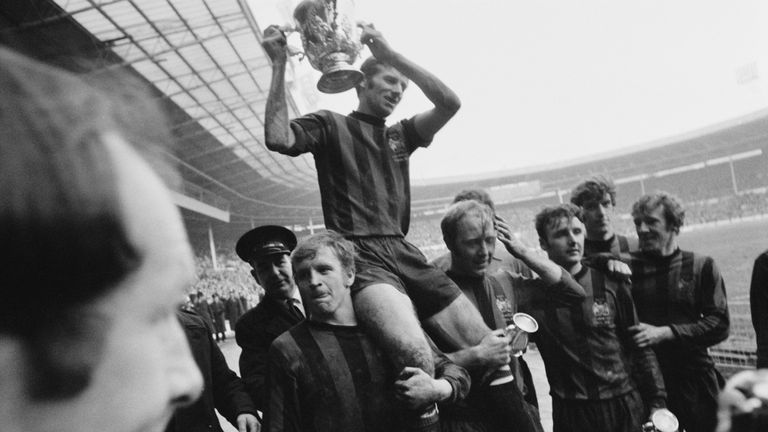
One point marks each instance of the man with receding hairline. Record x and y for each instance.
(363, 174)
(471, 231)
(502, 260)
(681, 302)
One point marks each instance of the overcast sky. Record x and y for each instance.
(546, 81)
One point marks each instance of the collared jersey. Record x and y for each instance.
(329, 378)
(686, 292)
(362, 170)
(496, 297)
(586, 347)
(618, 246)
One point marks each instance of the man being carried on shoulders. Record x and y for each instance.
(363, 174)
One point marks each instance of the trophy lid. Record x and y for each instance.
(525, 322)
(664, 421)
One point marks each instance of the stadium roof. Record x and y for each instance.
(205, 59)
(206, 64)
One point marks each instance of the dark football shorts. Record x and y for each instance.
(394, 261)
(625, 413)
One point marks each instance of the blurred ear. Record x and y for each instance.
(363, 82)
(350, 278)
(543, 243)
(448, 244)
(255, 276)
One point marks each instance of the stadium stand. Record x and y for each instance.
(227, 276)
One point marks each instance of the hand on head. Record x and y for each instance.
(375, 41)
(504, 233)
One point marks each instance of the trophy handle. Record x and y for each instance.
(293, 51)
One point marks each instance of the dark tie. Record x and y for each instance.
(294, 310)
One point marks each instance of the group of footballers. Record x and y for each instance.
(357, 332)
(616, 349)
(623, 326)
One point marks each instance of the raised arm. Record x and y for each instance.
(446, 102)
(549, 272)
(278, 135)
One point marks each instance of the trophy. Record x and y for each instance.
(522, 325)
(330, 43)
(662, 420)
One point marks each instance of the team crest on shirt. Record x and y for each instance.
(397, 145)
(505, 307)
(602, 312)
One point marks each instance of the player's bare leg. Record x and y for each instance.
(388, 316)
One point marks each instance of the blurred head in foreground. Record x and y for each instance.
(743, 402)
(96, 259)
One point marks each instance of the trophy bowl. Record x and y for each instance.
(525, 322)
(523, 325)
(331, 43)
(662, 420)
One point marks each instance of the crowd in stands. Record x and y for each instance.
(230, 280)
(425, 232)
(231, 275)
(729, 207)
